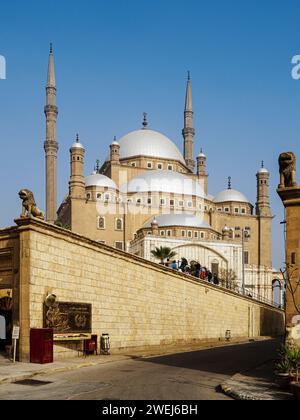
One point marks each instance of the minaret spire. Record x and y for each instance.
(51, 73)
(145, 121)
(50, 145)
(189, 132)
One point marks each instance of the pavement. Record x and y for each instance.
(258, 384)
(13, 372)
(188, 372)
(10, 372)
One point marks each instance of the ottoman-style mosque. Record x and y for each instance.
(147, 193)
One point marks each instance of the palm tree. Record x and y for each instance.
(163, 253)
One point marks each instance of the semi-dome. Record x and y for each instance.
(164, 181)
(230, 195)
(149, 143)
(98, 180)
(184, 219)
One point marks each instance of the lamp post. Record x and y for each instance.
(244, 236)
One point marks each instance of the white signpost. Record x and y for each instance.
(15, 337)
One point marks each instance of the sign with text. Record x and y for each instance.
(16, 333)
(69, 317)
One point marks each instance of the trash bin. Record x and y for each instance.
(41, 345)
(105, 344)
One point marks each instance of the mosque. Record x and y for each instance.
(147, 193)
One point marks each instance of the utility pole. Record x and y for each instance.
(243, 260)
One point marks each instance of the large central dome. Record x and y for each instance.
(148, 143)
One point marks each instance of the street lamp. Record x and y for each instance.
(245, 235)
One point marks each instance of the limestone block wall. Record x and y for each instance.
(139, 303)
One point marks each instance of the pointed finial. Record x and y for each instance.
(189, 75)
(145, 122)
(262, 164)
(77, 138)
(97, 167)
(229, 182)
(51, 48)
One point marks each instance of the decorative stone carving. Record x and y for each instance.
(287, 169)
(29, 207)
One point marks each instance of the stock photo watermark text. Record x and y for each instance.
(296, 68)
(2, 67)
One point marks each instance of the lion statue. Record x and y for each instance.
(287, 169)
(29, 207)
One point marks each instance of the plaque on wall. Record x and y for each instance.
(66, 317)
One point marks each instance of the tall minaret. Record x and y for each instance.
(77, 182)
(50, 145)
(201, 170)
(263, 195)
(189, 132)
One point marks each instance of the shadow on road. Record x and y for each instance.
(227, 360)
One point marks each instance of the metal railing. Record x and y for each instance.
(243, 291)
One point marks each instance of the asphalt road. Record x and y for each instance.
(187, 376)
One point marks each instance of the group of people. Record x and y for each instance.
(195, 269)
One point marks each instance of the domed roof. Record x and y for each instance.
(164, 181)
(184, 219)
(263, 171)
(77, 145)
(149, 143)
(230, 195)
(98, 180)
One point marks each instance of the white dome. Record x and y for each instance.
(226, 229)
(164, 181)
(201, 155)
(230, 195)
(263, 171)
(77, 145)
(149, 143)
(98, 180)
(186, 220)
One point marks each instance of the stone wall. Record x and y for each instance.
(139, 303)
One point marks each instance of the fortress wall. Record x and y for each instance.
(139, 303)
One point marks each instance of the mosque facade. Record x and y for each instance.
(147, 193)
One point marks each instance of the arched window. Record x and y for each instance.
(101, 222)
(119, 224)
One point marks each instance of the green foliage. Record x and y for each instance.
(290, 361)
(228, 279)
(61, 225)
(163, 253)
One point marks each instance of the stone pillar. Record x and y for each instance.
(289, 192)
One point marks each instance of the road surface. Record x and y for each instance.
(186, 376)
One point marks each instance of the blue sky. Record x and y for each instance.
(115, 60)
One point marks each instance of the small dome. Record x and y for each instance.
(164, 181)
(184, 219)
(263, 171)
(201, 155)
(77, 145)
(98, 180)
(230, 195)
(226, 229)
(149, 143)
(115, 143)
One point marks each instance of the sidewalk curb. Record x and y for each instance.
(30, 375)
(237, 395)
(239, 388)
